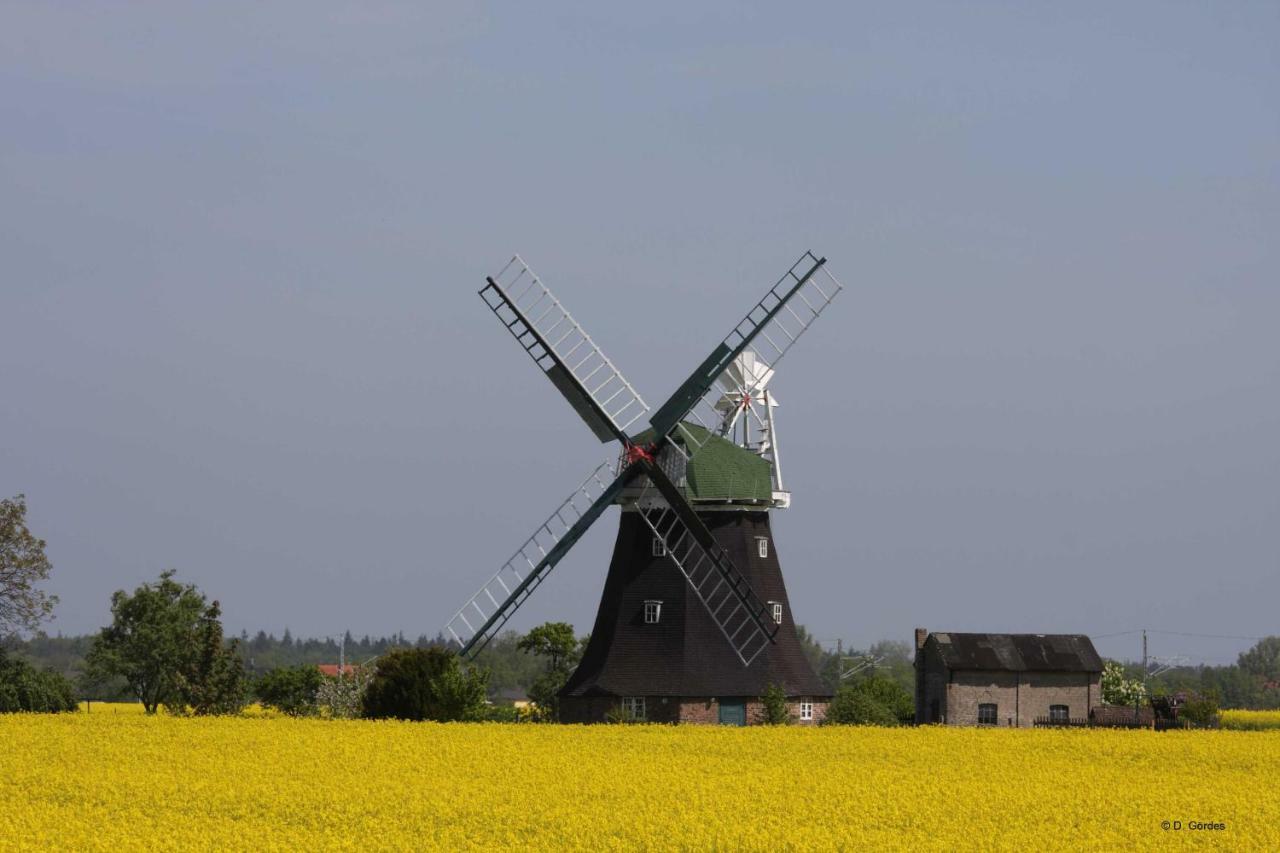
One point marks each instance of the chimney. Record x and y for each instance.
(921, 635)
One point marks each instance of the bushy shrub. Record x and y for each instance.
(775, 711)
(873, 701)
(424, 684)
(340, 698)
(852, 708)
(25, 688)
(1119, 689)
(1200, 709)
(290, 689)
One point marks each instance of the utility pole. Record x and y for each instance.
(1145, 691)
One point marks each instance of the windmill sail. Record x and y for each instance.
(484, 614)
(765, 335)
(596, 390)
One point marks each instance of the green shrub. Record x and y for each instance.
(852, 708)
(424, 684)
(1200, 709)
(774, 701)
(25, 688)
(874, 701)
(290, 690)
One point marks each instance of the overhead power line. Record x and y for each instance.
(1177, 634)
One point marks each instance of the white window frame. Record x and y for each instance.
(995, 714)
(658, 548)
(633, 708)
(806, 712)
(1060, 717)
(652, 611)
(775, 609)
(762, 547)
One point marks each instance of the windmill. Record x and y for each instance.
(692, 623)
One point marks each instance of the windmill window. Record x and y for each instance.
(775, 608)
(652, 611)
(633, 708)
(806, 711)
(762, 546)
(1059, 713)
(659, 547)
(988, 714)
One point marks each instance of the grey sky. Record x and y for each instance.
(240, 337)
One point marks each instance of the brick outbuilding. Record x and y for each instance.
(1005, 679)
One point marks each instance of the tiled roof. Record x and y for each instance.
(331, 669)
(1017, 652)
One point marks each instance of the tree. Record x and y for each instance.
(1117, 689)
(876, 701)
(1263, 660)
(852, 707)
(22, 565)
(161, 641)
(424, 684)
(211, 679)
(1200, 709)
(25, 688)
(555, 642)
(340, 698)
(774, 701)
(290, 690)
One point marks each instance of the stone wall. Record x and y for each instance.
(1019, 697)
(967, 690)
(1079, 691)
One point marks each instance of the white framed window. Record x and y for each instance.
(806, 711)
(775, 608)
(659, 547)
(633, 708)
(762, 546)
(988, 714)
(652, 611)
(1059, 713)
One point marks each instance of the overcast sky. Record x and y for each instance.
(240, 336)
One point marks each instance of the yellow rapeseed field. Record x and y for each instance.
(99, 781)
(1251, 720)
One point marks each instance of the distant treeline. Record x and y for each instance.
(1250, 684)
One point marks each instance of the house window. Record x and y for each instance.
(762, 546)
(652, 611)
(633, 708)
(806, 711)
(775, 608)
(1059, 713)
(987, 714)
(659, 547)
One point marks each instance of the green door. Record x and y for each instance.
(733, 713)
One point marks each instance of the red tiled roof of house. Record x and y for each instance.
(331, 669)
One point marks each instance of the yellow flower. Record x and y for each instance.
(112, 779)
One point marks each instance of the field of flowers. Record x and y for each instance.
(1251, 721)
(112, 780)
